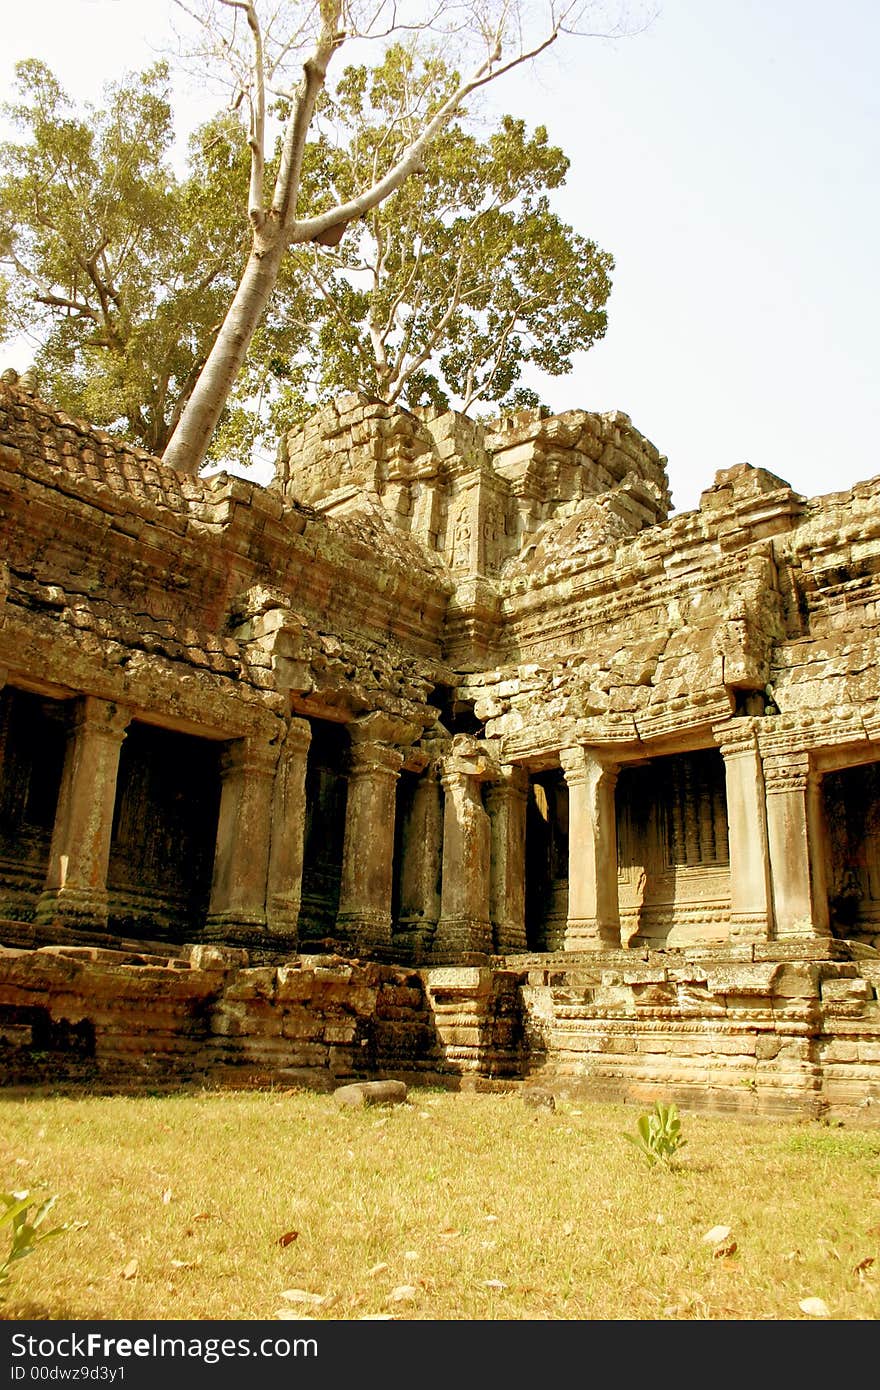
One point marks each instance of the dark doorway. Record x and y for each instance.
(852, 816)
(164, 833)
(326, 796)
(672, 848)
(546, 861)
(33, 739)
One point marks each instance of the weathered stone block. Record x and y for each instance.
(361, 1093)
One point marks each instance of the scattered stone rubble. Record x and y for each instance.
(449, 755)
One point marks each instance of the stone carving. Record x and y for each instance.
(456, 700)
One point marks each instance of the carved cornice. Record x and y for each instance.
(101, 718)
(374, 761)
(786, 771)
(737, 737)
(512, 785)
(249, 756)
(581, 766)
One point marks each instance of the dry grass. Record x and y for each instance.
(474, 1205)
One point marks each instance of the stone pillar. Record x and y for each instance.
(797, 866)
(593, 914)
(506, 803)
(364, 915)
(76, 881)
(237, 910)
(464, 896)
(751, 903)
(420, 861)
(284, 889)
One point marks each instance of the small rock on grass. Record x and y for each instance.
(539, 1098)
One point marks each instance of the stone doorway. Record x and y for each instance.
(546, 865)
(326, 798)
(418, 857)
(851, 804)
(673, 851)
(164, 833)
(33, 738)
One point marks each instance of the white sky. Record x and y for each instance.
(728, 157)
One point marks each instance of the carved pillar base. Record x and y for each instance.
(368, 930)
(71, 906)
(457, 935)
(588, 934)
(747, 928)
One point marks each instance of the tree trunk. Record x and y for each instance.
(189, 443)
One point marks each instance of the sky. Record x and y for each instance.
(727, 155)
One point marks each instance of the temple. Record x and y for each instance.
(448, 754)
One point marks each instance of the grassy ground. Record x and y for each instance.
(454, 1206)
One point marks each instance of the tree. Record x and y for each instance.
(461, 277)
(452, 285)
(121, 271)
(264, 46)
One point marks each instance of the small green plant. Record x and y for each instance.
(19, 1210)
(658, 1135)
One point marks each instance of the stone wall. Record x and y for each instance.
(736, 1031)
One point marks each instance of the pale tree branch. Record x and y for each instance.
(282, 228)
(410, 161)
(328, 298)
(293, 147)
(405, 370)
(257, 104)
(471, 394)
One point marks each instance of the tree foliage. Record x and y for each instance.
(120, 270)
(382, 245)
(281, 50)
(464, 276)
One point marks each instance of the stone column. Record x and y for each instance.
(284, 889)
(76, 881)
(420, 861)
(797, 866)
(506, 803)
(464, 896)
(237, 910)
(593, 914)
(364, 915)
(751, 904)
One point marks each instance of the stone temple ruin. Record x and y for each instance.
(447, 755)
